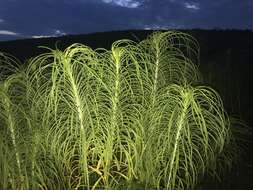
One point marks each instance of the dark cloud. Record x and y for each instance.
(29, 18)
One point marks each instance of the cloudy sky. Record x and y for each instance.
(40, 18)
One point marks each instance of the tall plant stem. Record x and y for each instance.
(180, 125)
(156, 74)
(11, 125)
(78, 104)
(115, 100)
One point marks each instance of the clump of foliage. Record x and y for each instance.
(96, 119)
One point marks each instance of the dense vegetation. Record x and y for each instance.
(99, 119)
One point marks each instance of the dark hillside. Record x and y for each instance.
(27, 48)
(226, 45)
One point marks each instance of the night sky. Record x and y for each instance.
(40, 18)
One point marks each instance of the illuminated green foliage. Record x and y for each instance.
(96, 119)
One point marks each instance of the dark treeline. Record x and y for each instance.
(222, 46)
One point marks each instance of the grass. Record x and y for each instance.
(96, 119)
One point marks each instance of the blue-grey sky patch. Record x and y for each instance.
(8, 33)
(163, 27)
(29, 18)
(192, 5)
(54, 34)
(125, 3)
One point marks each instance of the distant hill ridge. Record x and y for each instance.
(214, 44)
